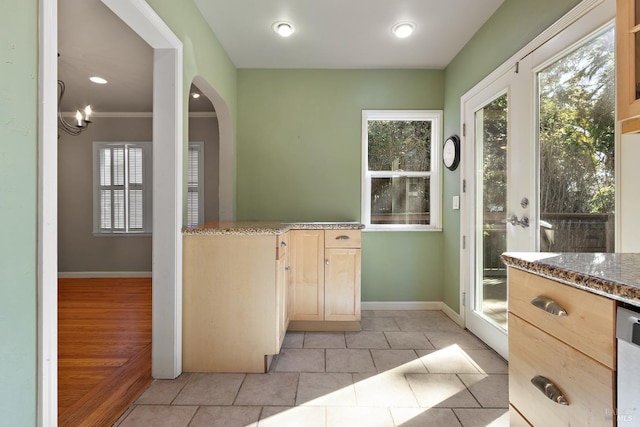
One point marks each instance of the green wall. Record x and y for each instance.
(511, 27)
(299, 159)
(18, 207)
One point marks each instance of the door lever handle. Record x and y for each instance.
(523, 222)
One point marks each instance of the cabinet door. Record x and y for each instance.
(342, 284)
(307, 274)
(282, 287)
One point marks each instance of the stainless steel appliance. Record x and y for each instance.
(628, 333)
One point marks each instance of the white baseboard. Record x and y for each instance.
(414, 305)
(101, 274)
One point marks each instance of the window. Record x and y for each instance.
(195, 184)
(122, 188)
(401, 167)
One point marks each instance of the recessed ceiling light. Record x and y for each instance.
(195, 95)
(98, 80)
(284, 29)
(403, 30)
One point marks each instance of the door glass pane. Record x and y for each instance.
(491, 238)
(576, 139)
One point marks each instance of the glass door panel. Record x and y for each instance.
(576, 98)
(491, 211)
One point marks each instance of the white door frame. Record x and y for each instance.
(167, 197)
(467, 204)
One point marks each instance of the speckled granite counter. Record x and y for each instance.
(265, 228)
(615, 276)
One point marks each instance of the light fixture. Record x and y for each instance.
(98, 80)
(403, 29)
(282, 28)
(82, 120)
(195, 95)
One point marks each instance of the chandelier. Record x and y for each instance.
(81, 122)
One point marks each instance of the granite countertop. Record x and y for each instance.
(614, 275)
(245, 228)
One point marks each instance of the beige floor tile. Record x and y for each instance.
(464, 339)
(226, 416)
(386, 389)
(421, 417)
(408, 340)
(162, 392)
(488, 361)
(492, 391)
(300, 360)
(398, 361)
(379, 324)
(293, 340)
(159, 416)
(210, 389)
(326, 389)
(272, 389)
(483, 417)
(449, 360)
(366, 339)
(324, 340)
(441, 390)
(299, 416)
(353, 416)
(428, 324)
(349, 360)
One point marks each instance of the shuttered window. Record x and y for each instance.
(195, 184)
(122, 188)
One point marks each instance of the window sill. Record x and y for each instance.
(145, 234)
(374, 227)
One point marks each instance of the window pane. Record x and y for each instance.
(105, 209)
(135, 165)
(577, 145)
(118, 209)
(105, 166)
(192, 208)
(136, 218)
(192, 167)
(399, 145)
(400, 200)
(118, 166)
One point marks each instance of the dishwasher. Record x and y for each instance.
(628, 334)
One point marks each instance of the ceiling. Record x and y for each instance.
(338, 34)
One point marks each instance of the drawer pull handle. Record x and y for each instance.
(549, 389)
(550, 306)
(283, 244)
(343, 237)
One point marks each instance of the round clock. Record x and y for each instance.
(451, 152)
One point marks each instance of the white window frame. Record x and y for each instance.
(147, 189)
(435, 190)
(199, 147)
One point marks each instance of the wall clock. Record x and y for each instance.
(451, 152)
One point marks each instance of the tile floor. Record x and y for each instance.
(405, 368)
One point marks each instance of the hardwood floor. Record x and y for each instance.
(104, 348)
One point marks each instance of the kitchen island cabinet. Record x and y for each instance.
(562, 335)
(236, 289)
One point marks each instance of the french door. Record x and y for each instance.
(537, 170)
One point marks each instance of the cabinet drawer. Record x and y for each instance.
(342, 238)
(587, 385)
(589, 325)
(515, 419)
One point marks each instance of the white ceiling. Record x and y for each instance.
(345, 33)
(329, 34)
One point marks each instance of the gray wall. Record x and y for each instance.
(78, 249)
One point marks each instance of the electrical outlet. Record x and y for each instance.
(456, 202)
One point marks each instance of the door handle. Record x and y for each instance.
(523, 222)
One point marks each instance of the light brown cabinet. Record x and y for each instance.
(325, 279)
(628, 64)
(562, 357)
(234, 301)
